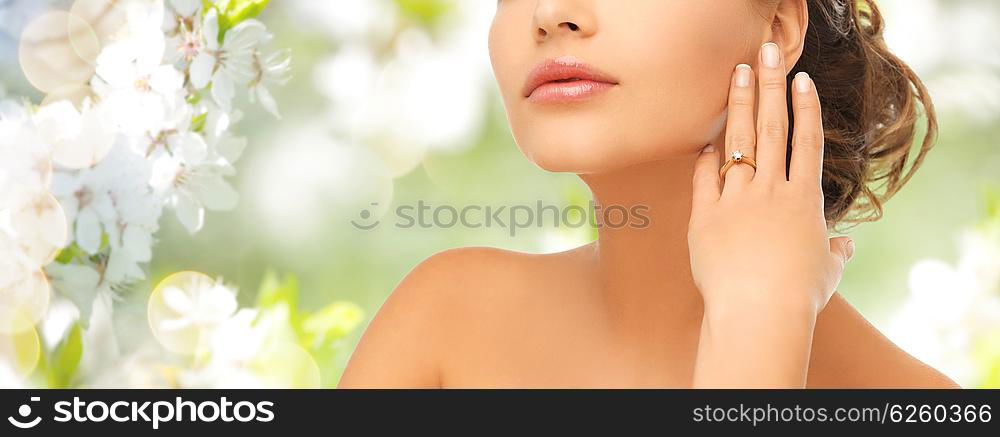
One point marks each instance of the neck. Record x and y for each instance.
(645, 271)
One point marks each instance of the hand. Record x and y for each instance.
(760, 254)
(760, 242)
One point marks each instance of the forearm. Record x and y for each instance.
(754, 346)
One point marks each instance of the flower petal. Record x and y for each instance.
(216, 194)
(166, 80)
(186, 8)
(266, 100)
(219, 302)
(177, 300)
(189, 212)
(201, 69)
(175, 324)
(245, 36)
(223, 90)
(189, 147)
(88, 231)
(231, 148)
(138, 243)
(123, 267)
(210, 29)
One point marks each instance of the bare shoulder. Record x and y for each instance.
(446, 297)
(453, 270)
(462, 280)
(849, 352)
(485, 276)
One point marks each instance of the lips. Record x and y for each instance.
(565, 79)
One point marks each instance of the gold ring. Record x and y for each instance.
(736, 158)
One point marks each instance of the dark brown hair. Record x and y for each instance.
(871, 104)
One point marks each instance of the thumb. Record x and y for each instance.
(842, 248)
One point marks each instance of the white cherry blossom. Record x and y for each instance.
(191, 178)
(138, 88)
(227, 64)
(79, 139)
(151, 128)
(200, 304)
(184, 39)
(25, 166)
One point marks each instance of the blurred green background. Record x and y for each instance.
(365, 122)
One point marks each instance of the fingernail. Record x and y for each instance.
(708, 149)
(850, 249)
(743, 76)
(802, 82)
(771, 55)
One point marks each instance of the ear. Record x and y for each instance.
(788, 29)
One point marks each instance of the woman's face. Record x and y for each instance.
(655, 76)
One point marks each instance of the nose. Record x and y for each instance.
(563, 18)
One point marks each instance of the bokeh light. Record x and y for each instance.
(19, 351)
(57, 49)
(24, 301)
(41, 228)
(185, 307)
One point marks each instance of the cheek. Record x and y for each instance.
(681, 81)
(511, 54)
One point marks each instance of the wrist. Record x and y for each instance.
(740, 311)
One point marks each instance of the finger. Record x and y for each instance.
(706, 179)
(808, 141)
(842, 250)
(772, 118)
(740, 133)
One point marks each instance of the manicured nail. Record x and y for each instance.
(708, 149)
(771, 55)
(802, 82)
(743, 76)
(850, 249)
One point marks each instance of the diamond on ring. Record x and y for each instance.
(737, 157)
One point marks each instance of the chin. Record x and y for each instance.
(570, 152)
(567, 148)
(586, 156)
(568, 141)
